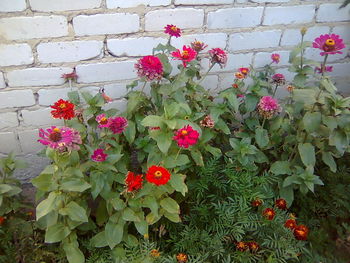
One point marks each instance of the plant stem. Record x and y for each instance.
(302, 53)
(177, 155)
(274, 92)
(323, 66)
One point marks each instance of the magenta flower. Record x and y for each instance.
(326, 69)
(103, 121)
(173, 31)
(268, 107)
(219, 56)
(186, 136)
(278, 79)
(329, 44)
(62, 139)
(186, 55)
(99, 155)
(275, 58)
(117, 124)
(149, 67)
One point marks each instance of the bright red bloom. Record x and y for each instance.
(186, 55)
(329, 44)
(198, 46)
(244, 71)
(241, 246)
(173, 31)
(257, 202)
(269, 213)
(253, 246)
(63, 109)
(2, 220)
(181, 258)
(235, 86)
(157, 175)
(149, 67)
(133, 182)
(99, 155)
(219, 56)
(281, 204)
(186, 136)
(117, 124)
(275, 58)
(301, 232)
(290, 223)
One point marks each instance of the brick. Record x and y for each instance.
(213, 40)
(12, 5)
(135, 3)
(332, 13)
(40, 117)
(48, 97)
(56, 52)
(210, 82)
(102, 24)
(269, 1)
(106, 71)
(116, 90)
(314, 54)
(203, 2)
(8, 120)
(133, 46)
(340, 70)
(9, 143)
(343, 31)
(181, 17)
(29, 141)
(18, 28)
(253, 40)
(342, 85)
(289, 14)
(63, 5)
(16, 98)
(120, 105)
(2, 81)
(263, 58)
(18, 54)
(292, 37)
(234, 61)
(235, 17)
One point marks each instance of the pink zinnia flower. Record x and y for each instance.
(278, 79)
(329, 44)
(186, 55)
(149, 67)
(268, 107)
(219, 56)
(275, 58)
(99, 155)
(117, 124)
(173, 31)
(244, 71)
(62, 139)
(326, 69)
(103, 121)
(186, 136)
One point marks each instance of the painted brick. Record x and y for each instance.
(181, 17)
(133, 46)
(203, 2)
(343, 31)
(102, 24)
(234, 61)
(289, 14)
(40, 117)
(56, 52)
(37, 77)
(12, 5)
(314, 54)
(120, 105)
(235, 17)
(48, 97)
(269, 1)
(331, 13)
(213, 40)
(292, 37)
(18, 54)
(63, 5)
(340, 70)
(263, 58)
(342, 85)
(211, 82)
(106, 71)
(17, 28)
(2, 81)
(116, 90)
(29, 141)
(16, 98)
(227, 79)
(8, 120)
(9, 143)
(252, 40)
(135, 3)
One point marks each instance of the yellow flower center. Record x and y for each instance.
(185, 54)
(184, 132)
(158, 174)
(173, 28)
(330, 42)
(63, 106)
(103, 120)
(56, 130)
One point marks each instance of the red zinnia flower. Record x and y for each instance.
(99, 155)
(269, 213)
(290, 223)
(275, 58)
(198, 46)
(173, 31)
(157, 175)
(219, 56)
(133, 182)
(149, 67)
(281, 204)
(244, 71)
(301, 232)
(186, 55)
(181, 258)
(2, 220)
(257, 202)
(63, 109)
(241, 246)
(186, 136)
(253, 246)
(330, 44)
(117, 124)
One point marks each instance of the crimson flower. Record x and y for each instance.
(117, 124)
(186, 55)
(279, 79)
(99, 156)
(301, 232)
(257, 202)
(244, 71)
(173, 31)
(157, 175)
(63, 109)
(269, 213)
(218, 56)
(133, 182)
(149, 67)
(275, 58)
(281, 204)
(253, 246)
(290, 223)
(329, 44)
(186, 136)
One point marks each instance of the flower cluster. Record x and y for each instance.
(198, 46)
(300, 231)
(150, 68)
(268, 107)
(115, 124)
(252, 246)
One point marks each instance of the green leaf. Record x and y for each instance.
(99, 240)
(87, 96)
(129, 215)
(171, 109)
(287, 193)
(338, 139)
(261, 137)
(46, 206)
(74, 97)
(197, 157)
(97, 183)
(142, 227)
(177, 181)
(172, 217)
(281, 167)
(151, 203)
(170, 205)
(152, 121)
(250, 102)
(328, 159)
(163, 139)
(216, 152)
(73, 253)
(74, 184)
(76, 212)
(44, 182)
(306, 96)
(4, 188)
(152, 218)
(312, 121)
(330, 122)
(114, 233)
(56, 233)
(221, 125)
(307, 154)
(117, 203)
(130, 132)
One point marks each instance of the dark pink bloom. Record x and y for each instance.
(186, 136)
(198, 46)
(173, 31)
(186, 55)
(329, 44)
(149, 67)
(103, 121)
(326, 69)
(99, 155)
(219, 56)
(279, 79)
(244, 71)
(268, 107)
(275, 58)
(117, 124)
(62, 139)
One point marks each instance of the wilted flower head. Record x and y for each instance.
(99, 155)
(207, 122)
(117, 124)
(186, 136)
(329, 44)
(133, 182)
(63, 109)
(279, 79)
(320, 70)
(275, 58)
(186, 55)
(149, 67)
(172, 30)
(70, 76)
(268, 107)
(219, 56)
(198, 46)
(290, 88)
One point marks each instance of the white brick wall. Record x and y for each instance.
(293, 37)
(12, 5)
(289, 14)
(213, 40)
(203, 2)
(39, 117)
(18, 54)
(8, 120)
(63, 5)
(2, 81)
(48, 97)
(29, 141)
(135, 3)
(9, 143)
(16, 98)
(331, 12)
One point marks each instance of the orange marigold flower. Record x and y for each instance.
(133, 182)
(244, 71)
(155, 253)
(301, 232)
(241, 246)
(2, 220)
(63, 109)
(281, 204)
(257, 202)
(157, 175)
(253, 246)
(269, 213)
(173, 31)
(290, 223)
(181, 258)
(239, 75)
